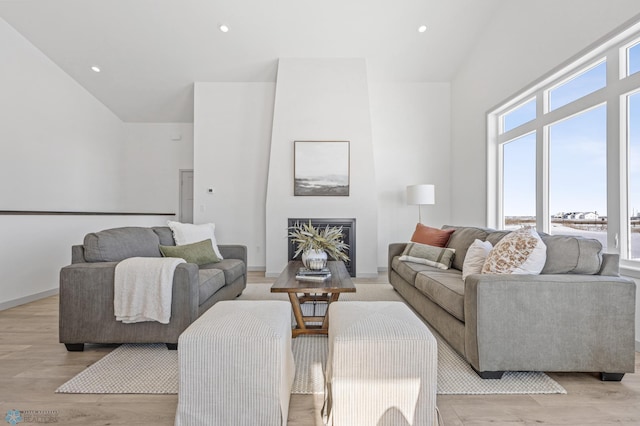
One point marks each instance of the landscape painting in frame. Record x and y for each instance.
(321, 168)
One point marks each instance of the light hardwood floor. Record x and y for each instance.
(33, 364)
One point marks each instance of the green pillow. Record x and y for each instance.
(428, 255)
(199, 253)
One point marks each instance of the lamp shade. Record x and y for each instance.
(421, 194)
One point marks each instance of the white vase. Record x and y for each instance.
(314, 259)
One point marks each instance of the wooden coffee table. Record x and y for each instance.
(311, 291)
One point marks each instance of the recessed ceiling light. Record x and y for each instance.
(422, 28)
(224, 28)
(95, 69)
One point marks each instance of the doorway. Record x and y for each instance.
(185, 215)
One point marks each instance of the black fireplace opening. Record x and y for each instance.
(348, 236)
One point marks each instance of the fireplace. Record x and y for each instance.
(348, 235)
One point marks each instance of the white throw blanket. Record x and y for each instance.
(142, 289)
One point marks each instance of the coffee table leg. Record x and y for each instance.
(297, 312)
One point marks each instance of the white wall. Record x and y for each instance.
(61, 147)
(322, 99)
(232, 135)
(151, 164)
(411, 141)
(63, 150)
(525, 40)
(410, 134)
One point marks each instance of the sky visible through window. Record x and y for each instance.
(578, 164)
(577, 155)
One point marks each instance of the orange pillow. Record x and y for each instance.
(431, 236)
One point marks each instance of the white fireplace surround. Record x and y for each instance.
(321, 99)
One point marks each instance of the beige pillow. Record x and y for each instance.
(428, 255)
(519, 252)
(475, 258)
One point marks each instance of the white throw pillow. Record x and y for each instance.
(519, 252)
(475, 258)
(187, 233)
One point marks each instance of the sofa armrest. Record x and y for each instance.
(77, 254)
(550, 323)
(395, 249)
(233, 251)
(610, 265)
(86, 306)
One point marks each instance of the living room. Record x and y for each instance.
(104, 142)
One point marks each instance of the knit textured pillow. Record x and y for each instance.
(428, 255)
(519, 252)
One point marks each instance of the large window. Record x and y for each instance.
(519, 182)
(564, 155)
(578, 175)
(633, 114)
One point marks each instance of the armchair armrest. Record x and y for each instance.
(550, 323)
(233, 251)
(86, 306)
(77, 254)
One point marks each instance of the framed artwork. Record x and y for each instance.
(321, 168)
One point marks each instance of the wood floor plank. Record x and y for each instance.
(33, 364)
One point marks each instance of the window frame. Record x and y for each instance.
(619, 85)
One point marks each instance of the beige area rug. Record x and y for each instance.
(153, 369)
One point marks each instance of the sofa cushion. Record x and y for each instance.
(114, 245)
(447, 290)
(232, 269)
(200, 253)
(431, 236)
(409, 270)
(572, 255)
(211, 280)
(165, 235)
(519, 252)
(494, 237)
(438, 257)
(460, 241)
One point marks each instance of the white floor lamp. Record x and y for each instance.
(421, 194)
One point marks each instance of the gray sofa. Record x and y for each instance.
(577, 315)
(87, 288)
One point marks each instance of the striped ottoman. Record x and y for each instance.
(236, 365)
(381, 367)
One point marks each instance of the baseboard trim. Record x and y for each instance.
(256, 268)
(27, 299)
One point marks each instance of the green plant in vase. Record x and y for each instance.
(317, 243)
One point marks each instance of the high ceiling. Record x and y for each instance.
(150, 52)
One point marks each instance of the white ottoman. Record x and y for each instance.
(236, 365)
(381, 366)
